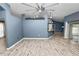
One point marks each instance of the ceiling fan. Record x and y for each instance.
(41, 8)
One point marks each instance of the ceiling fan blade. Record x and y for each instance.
(36, 13)
(30, 10)
(28, 14)
(52, 5)
(38, 6)
(28, 5)
(50, 10)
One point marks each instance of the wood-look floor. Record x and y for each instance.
(2, 45)
(56, 46)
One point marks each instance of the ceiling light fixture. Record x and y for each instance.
(50, 16)
(40, 11)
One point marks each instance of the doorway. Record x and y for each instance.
(2, 37)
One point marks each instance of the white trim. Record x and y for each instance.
(14, 44)
(35, 38)
(28, 39)
(50, 37)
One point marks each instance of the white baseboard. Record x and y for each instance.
(35, 38)
(14, 44)
(27, 39)
(50, 37)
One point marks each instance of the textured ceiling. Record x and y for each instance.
(60, 10)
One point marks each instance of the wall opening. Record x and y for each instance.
(2, 36)
(2, 29)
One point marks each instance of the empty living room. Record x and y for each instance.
(39, 29)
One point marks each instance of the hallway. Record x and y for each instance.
(56, 46)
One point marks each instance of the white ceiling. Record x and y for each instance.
(60, 10)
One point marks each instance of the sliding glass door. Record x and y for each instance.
(75, 32)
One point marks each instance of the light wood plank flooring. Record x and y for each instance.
(2, 45)
(56, 46)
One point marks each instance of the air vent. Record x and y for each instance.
(34, 18)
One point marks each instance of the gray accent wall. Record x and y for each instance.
(35, 28)
(14, 30)
(72, 17)
(2, 14)
(13, 27)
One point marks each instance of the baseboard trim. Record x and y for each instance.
(14, 44)
(27, 39)
(35, 38)
(50, 37)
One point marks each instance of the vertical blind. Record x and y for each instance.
(75, 32)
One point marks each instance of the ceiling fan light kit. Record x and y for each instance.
(41, 9)
(50, 16)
